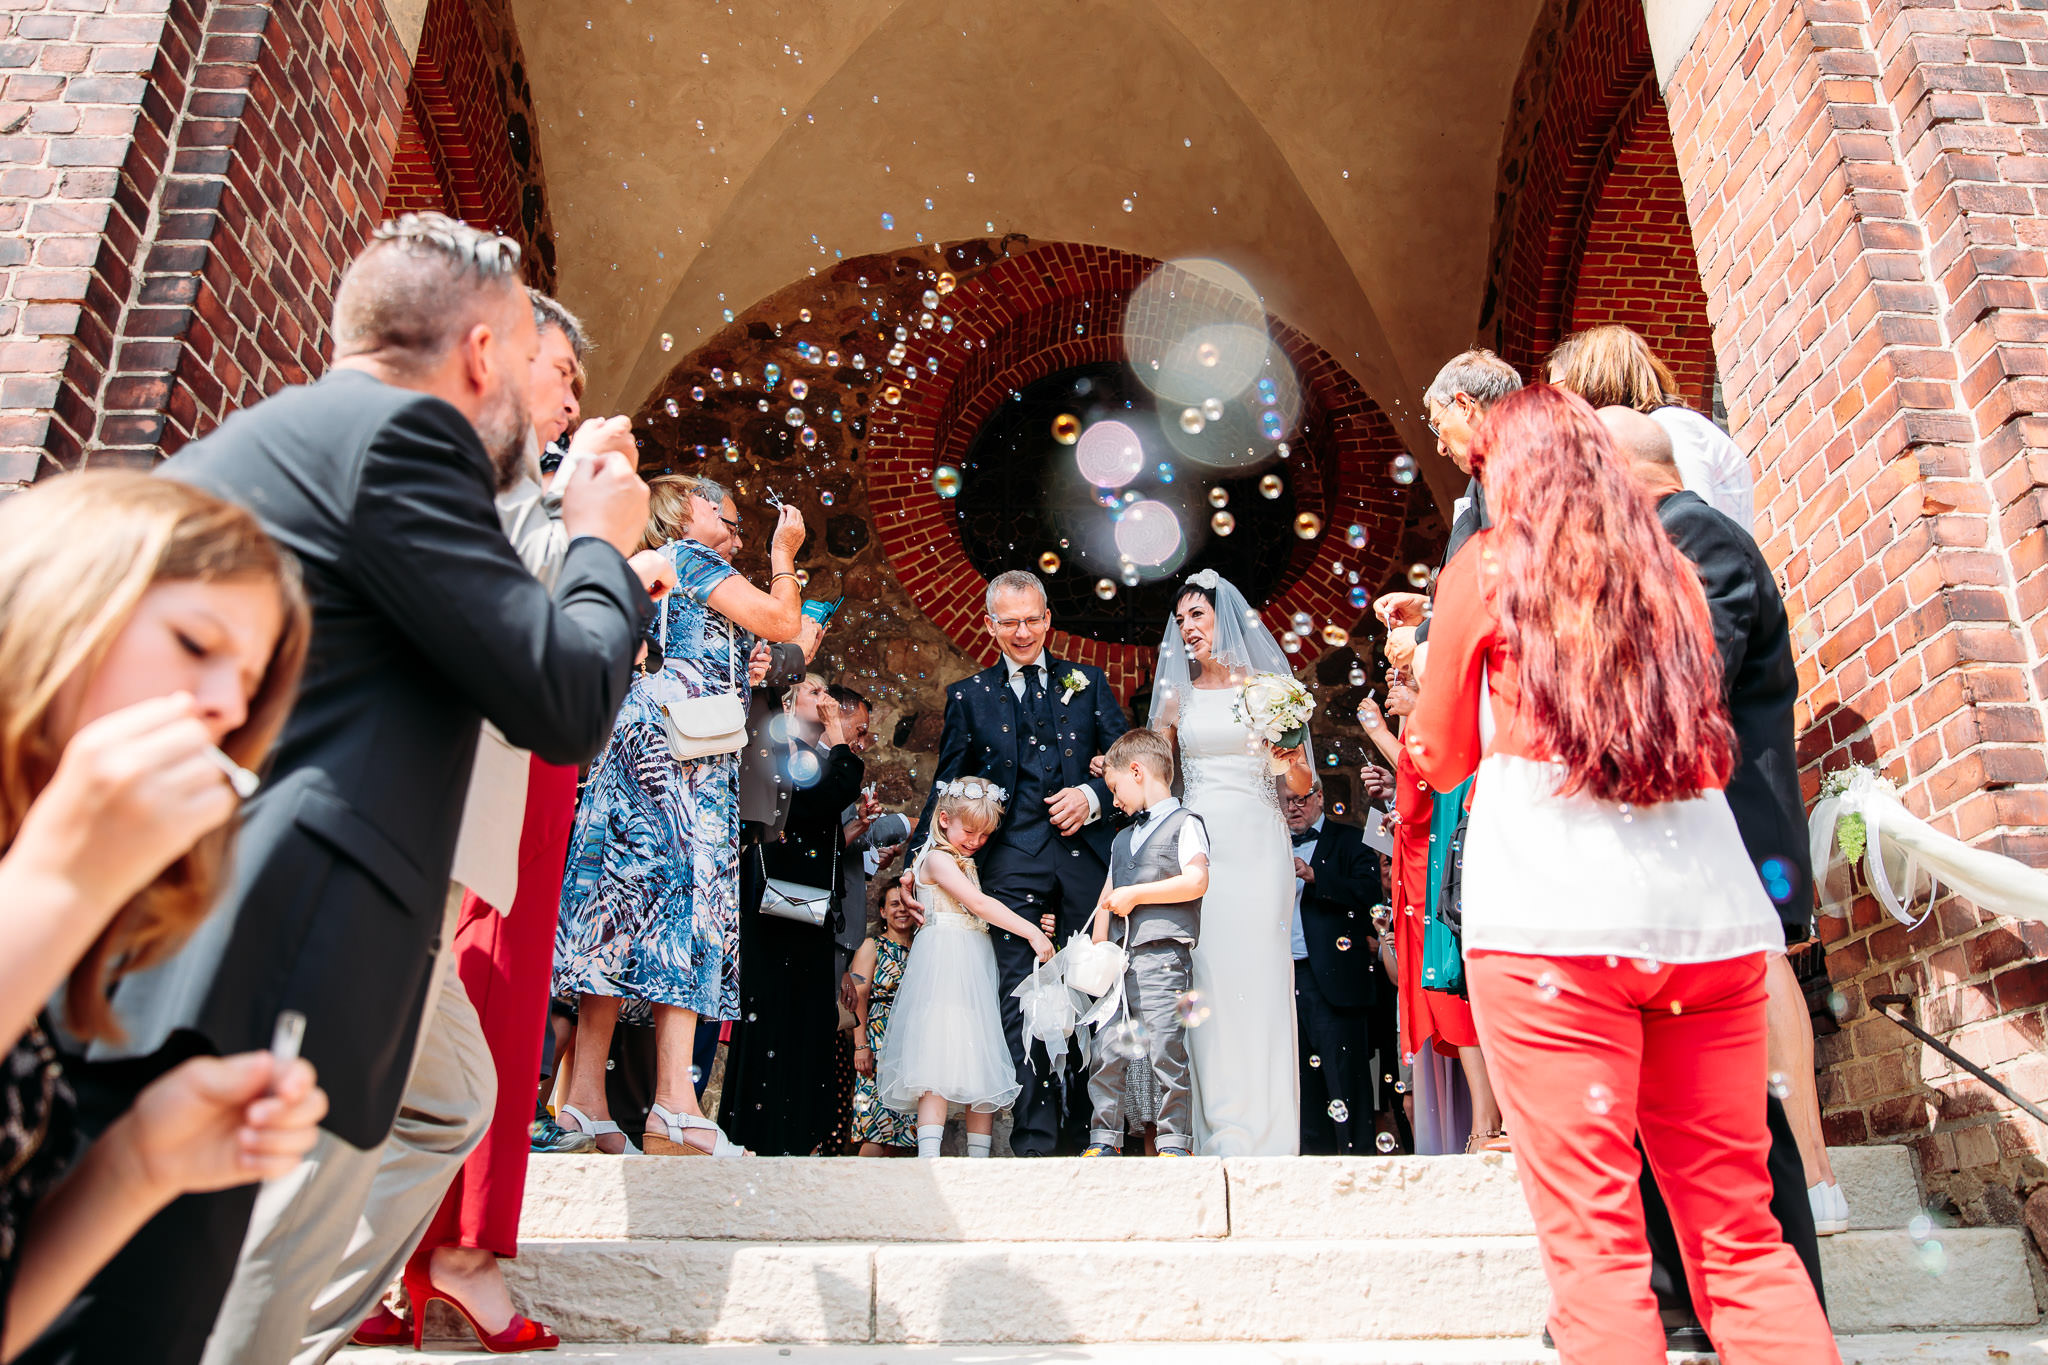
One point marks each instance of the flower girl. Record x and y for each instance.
(945, 1046)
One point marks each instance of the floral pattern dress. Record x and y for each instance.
(874, 1121)
(38, 1131)
(650, 897)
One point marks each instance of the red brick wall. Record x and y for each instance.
(1861, 178)
(177, 263)
(417, 183)
(1061, 305)
(1637, 267)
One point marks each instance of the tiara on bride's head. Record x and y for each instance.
(975, 789)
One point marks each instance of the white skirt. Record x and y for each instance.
(1571, 876)
(946, 1030)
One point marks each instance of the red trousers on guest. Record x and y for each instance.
(1583, 1055)
(505, 962)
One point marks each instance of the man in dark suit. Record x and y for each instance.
(1336, 976)
(380, 478)
(1032, 724)
(1760, 681)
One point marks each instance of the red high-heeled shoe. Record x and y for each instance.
(520, 1334)
(382, 1328)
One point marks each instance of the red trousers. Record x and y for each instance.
(505, 962)
(1582, 1056)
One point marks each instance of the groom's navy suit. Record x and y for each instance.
(1033, 747)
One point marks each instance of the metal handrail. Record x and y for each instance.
(1881, 1004)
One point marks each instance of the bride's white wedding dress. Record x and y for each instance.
(1246, 1087)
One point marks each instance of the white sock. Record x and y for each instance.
(929, 1136)
(978, 1144)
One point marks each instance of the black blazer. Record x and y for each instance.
(1338, 906)
(982, 732)
(425, 624)
(813, 840)
(1761, 683)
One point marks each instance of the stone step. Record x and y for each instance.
(799, 1199)
(1229, 1289)
(1947, 1348)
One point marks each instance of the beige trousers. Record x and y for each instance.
(328, 1239)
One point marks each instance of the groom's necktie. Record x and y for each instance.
(1035, 703)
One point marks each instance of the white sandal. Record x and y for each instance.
(674, 1144)
(592, 1129)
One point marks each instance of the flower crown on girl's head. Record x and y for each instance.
(974, 789)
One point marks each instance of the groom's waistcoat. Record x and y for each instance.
(1173, 921)
(1038, 776)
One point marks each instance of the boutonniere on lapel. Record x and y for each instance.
(1074, 681)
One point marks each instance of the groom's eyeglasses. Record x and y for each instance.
(1012, 622)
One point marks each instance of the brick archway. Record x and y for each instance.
(1063, 305)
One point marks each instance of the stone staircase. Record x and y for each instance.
(1394, 1259)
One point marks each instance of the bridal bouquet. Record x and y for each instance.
(1275, 708)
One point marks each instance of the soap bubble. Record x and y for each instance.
(1129, 206)
(697, 394)
(1222, 523)
(1920, 1227)
(1344, 944)
(773, 372)
(668, 343)
(826, 497)
(1290, 642)
(1128, 1039)
(888, 222)
(1192, 421)
(1354, 536)
(672, 407)
(1599, 1099)
(892, 395)
(803, 314)
(1546, 986)
(945, 282)
(1308, 525)
(1066, 428)
(1386, 1142)
(1339, 1111)
(1302, 622)
(1212, 409)
(1359, 598)
(925, 321)
(1219, 497)
(1781, 1085)
(794, 417)
(1108, 454)
(1648, 966)
(1148, 533)
(946, 481)
(1418, 575)
(1271, 486)
(1129, 575)
(931, 298)
(1402, 469)
(1192, 1010)
(1049, 562)
(799, 390)
(809, 437)
(1105, 588)
(1933, 1258)
(1335, 636)
(1206, 354)
(1315, 1061)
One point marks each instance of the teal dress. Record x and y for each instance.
(650, 896)
(1443, 962)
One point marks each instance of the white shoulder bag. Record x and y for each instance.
(700, 727)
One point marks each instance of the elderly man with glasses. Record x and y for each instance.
(1033, 724)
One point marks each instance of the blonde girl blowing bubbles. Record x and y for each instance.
(945, 1047)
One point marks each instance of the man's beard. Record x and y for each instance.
(505, 430)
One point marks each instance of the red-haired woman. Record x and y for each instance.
(1615, 930)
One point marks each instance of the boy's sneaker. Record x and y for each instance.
(1174, 1151)
(1100, 1149)
(545, 1135)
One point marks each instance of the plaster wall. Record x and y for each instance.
(1346, 167)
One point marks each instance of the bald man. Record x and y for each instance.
(1761, 686)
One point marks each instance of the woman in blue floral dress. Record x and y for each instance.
(650, 899)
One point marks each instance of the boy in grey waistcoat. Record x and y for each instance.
(1158, 872)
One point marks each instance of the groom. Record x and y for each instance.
(1031, 724)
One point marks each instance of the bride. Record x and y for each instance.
(1246, 1087)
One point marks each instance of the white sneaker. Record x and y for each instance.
(1830, 1209)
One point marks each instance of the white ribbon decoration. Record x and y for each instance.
(1901, 852)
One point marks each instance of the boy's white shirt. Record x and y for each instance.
(1194, 839)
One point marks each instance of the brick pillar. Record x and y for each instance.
(180, 184)
(1861, 177)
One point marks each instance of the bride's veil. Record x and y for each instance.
(1243, 646)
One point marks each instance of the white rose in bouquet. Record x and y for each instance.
(1276, 709)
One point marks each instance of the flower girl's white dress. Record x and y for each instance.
(946, 1030)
